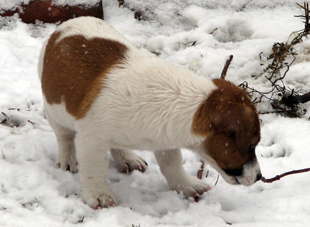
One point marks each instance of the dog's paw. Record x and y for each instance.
(131, 164)
(191, 186)
(68, 165)
(101, 201)
(128, 161)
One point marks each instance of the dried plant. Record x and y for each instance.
(282, 99)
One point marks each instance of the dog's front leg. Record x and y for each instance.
(170, 162)
(93, 167)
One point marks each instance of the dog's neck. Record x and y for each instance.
(173, 99)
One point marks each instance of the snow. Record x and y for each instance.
(34, 193)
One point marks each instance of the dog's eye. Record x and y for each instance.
(234, 172)
(252, 148)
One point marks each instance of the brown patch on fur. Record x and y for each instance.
(229, 121)
(74, 70)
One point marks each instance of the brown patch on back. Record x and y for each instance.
(229, 121)
(74, 70)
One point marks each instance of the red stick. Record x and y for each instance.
(278, 177)
(200, 171)
(199, 175)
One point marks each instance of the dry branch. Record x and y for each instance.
(278, 177)
(121, 3)
(217, 180)
(48, 12)
(224, 72)
(200, 171)
(281, 98)
(199, 175)
(81, 220)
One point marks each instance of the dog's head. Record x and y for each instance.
(230, 124)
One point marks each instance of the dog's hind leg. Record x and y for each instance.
(127, 161)
(93, 166)
(171, 166)
(66, 148)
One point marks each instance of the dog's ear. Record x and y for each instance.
(232, 123)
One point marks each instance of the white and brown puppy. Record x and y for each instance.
(103, 94)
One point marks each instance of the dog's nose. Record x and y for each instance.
(259, 176)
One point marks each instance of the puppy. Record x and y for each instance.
(103, 94)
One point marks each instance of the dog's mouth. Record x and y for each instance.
(248, 175)
(246, 180)
(242, 180)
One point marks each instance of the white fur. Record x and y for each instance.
(147, 104)
(143, 107)
(89, 28)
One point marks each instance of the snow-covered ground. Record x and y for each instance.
(195, 34)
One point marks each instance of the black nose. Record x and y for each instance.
(259, 176)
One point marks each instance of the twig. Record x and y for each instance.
(306, 8)
(81, 220)
(31, 122)
(199, 175)
(200, 171)
(120, 3)
(224, 72)
(217, 180)
(211, 33)
(3, 121)
(278, 177)
(300, 6)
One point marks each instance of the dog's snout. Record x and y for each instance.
(259, 176)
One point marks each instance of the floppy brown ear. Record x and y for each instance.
(231, 123)
(224, 122)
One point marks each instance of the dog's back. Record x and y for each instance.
(89, 63)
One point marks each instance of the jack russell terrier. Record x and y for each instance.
(103, 94)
